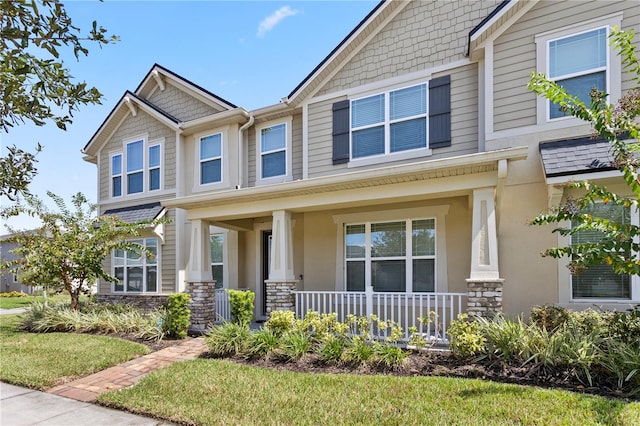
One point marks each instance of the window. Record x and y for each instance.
(600, 281)
(390, 122)
(211, 159)
(217, 259)
(136, 272)
(135, 167)
(578, 63)
(154, 167)
(116, 175)
(390, 255)
(273, 151)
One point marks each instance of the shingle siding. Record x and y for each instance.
(180, 104)
(425, 34)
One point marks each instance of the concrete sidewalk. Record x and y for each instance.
(22, 407)
(12, 311)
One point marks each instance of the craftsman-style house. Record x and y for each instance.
(398, 177)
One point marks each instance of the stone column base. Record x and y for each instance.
(484, 297)
(280, 296)
(203, 305)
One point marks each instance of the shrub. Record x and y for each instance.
(241, 306)
(281, 322)
(389, 355)
(358, 352)
(178, 314)
(43, 318)
(621, 363)
(466, 338)
(331, 349)
(626, 325)
(549, 317)
(294, 345)
(261, 343)
(13, 294)
(227, 339)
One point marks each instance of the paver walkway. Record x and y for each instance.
(88, 388)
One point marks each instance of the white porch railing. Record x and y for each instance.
(223, 308)
(402, 308)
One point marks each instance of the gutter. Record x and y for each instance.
(241, 150)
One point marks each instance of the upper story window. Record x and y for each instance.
(154, 167)
(600, 281)
(398, 256)
(136, 272)
(116, 175)
(273, 152)
(389, 122)
(578, 63)
(578, 57)
(137, 169)
(211, 159)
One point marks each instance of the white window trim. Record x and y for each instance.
(388, 155)
(416, 213)
(151, 144)
(144, 266)
(126, 171)
(613, 81)
(111, 175)
(224, 157)
(565, 297)
(288, 176)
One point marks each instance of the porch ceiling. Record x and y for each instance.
(353, 187)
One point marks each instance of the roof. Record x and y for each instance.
(338, 47)
(488, 18)
(183, 80)
(576, 156)
(138, 213)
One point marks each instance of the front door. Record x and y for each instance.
(266, 267)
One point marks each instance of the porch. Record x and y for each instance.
(430, 313)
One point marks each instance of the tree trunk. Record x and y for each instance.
(75, 300)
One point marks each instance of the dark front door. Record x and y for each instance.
(266, 266)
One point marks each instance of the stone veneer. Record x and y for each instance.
(140, 301)
(280, 296)
(203, 304)
(484, 297)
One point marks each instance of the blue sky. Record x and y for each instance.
(251, 53)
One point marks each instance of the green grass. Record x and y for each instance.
(23, 302)
(218, 392)
(40, 360)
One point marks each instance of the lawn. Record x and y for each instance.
(212, 392)
(23, 302)
(41, 360)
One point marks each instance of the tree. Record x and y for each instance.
(67, 251)
(619, 125)
(34, 81)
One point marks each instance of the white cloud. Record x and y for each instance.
(274, 19)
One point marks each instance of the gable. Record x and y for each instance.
(423, 35)
(180, 104)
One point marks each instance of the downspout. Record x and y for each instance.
(241, 150)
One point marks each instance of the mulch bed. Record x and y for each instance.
(440, 363)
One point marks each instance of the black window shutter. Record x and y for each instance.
(440, 112)
(341, 132)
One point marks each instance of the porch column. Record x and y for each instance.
(200, 283)
(484, 286)
(282, 281)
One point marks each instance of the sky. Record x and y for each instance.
(250, 53)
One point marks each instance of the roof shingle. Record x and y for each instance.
(576, 156)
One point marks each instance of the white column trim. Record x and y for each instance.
(200, 254)
(484, 238)
(282, 247)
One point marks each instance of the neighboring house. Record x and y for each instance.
(9, 280)
(398, 176)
